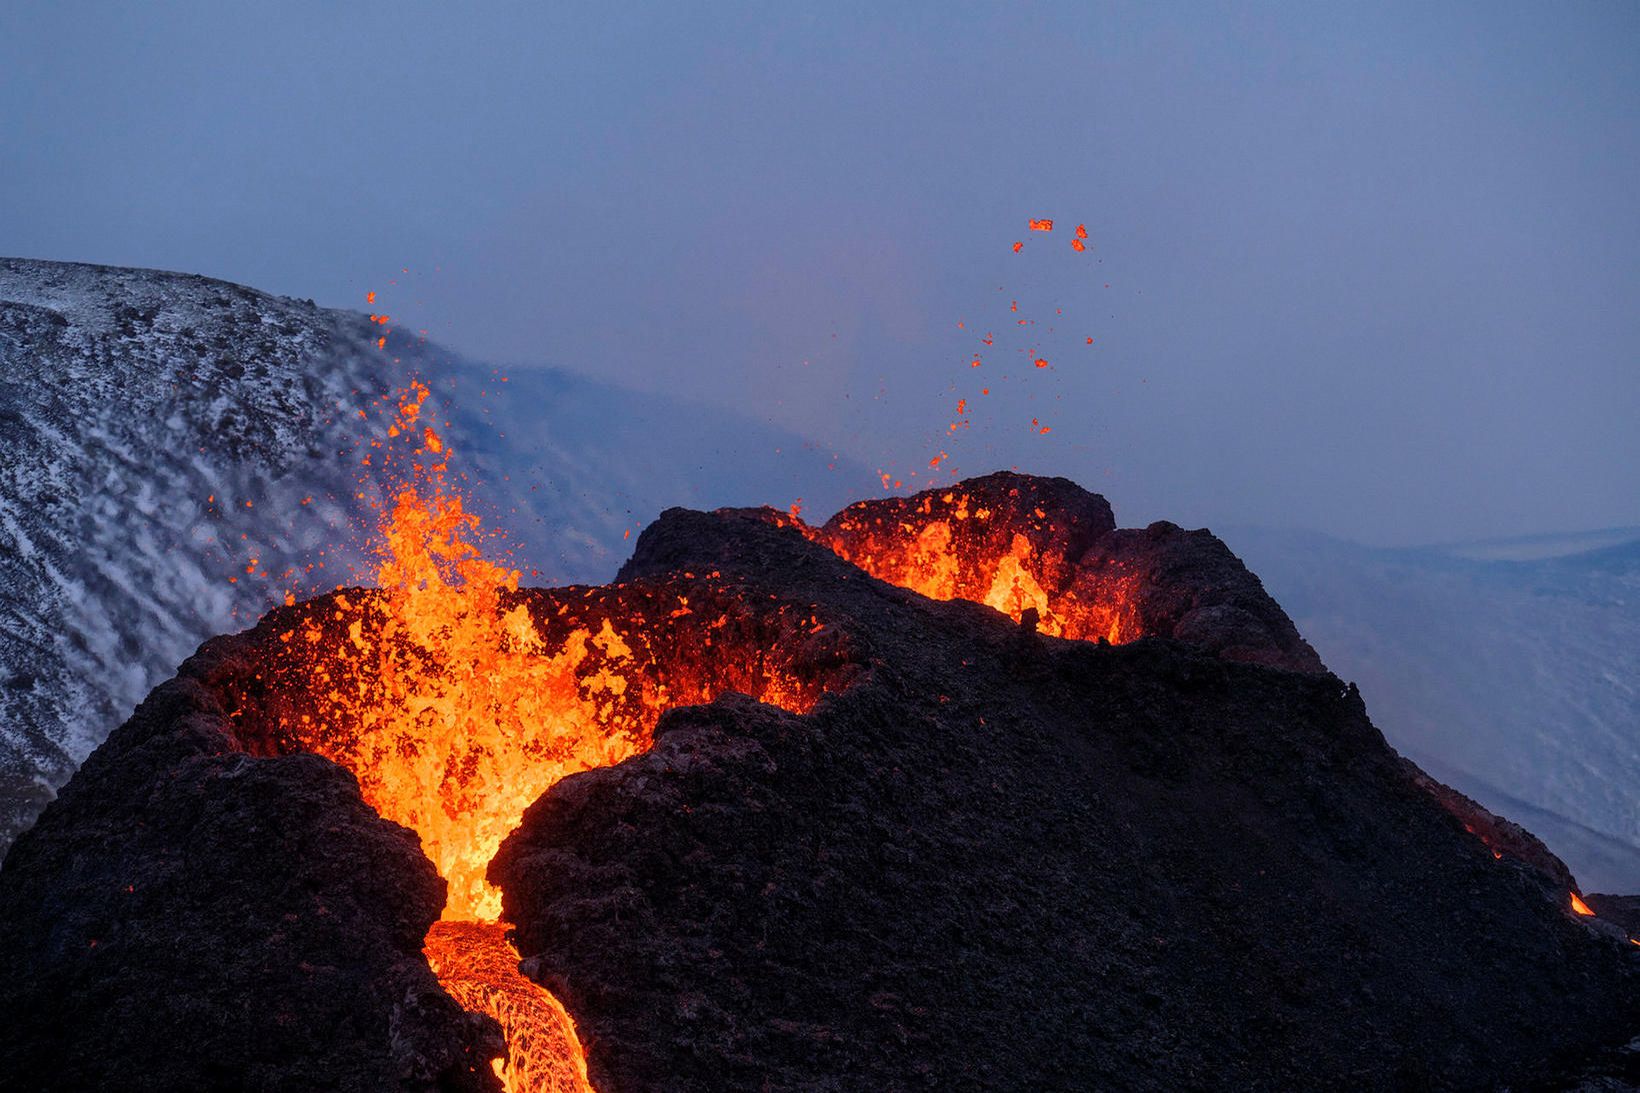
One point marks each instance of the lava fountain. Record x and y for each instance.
(456, 705)
(457, 699)
(454, 716)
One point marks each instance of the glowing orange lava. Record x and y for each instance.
(457, 701)
(479, 969)
(455, 715)
(1580, 907)
(453, 711)
(950, 546)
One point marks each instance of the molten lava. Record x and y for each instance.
(458, 699)
(452, 710)
(479, 969)
(456, 706)
(952, 546)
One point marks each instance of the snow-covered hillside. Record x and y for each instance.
(178, 450)
(1509, 670)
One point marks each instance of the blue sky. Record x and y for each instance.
(1369, 269)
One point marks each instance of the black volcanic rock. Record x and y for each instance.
(986, 858)
(1159, 581)
(1189, 586)
(186, 916)
(1057, 518)
(1623, 910)
(1506, 669)
(1499, 833)
(1008, 861)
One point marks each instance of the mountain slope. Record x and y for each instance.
(180, 451)
(1515, 681)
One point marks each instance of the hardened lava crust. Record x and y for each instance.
(1160, 849)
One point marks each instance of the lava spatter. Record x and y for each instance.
(456, 708)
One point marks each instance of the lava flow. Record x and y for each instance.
(455, 715)
(479, 969)
(457, 701)
(449, 706)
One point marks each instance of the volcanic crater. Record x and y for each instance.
(964, 790)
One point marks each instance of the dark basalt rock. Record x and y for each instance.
(1008, 861)
(986, 859)
(1059, 519)
(186, 916)
(1623, 910)
(1189, 586)
(1499, 833)
(1172, 583)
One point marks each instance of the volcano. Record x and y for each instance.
(966, 790)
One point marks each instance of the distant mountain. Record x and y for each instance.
(1508, 669)
(179, 451)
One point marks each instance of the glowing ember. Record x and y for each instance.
(1041, 225)
(456, 708)
(479, 969)
(454, 713)
(950, 546)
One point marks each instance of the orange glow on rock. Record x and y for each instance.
(950, 546)
(456, 708)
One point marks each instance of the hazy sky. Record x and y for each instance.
(1372, 269)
